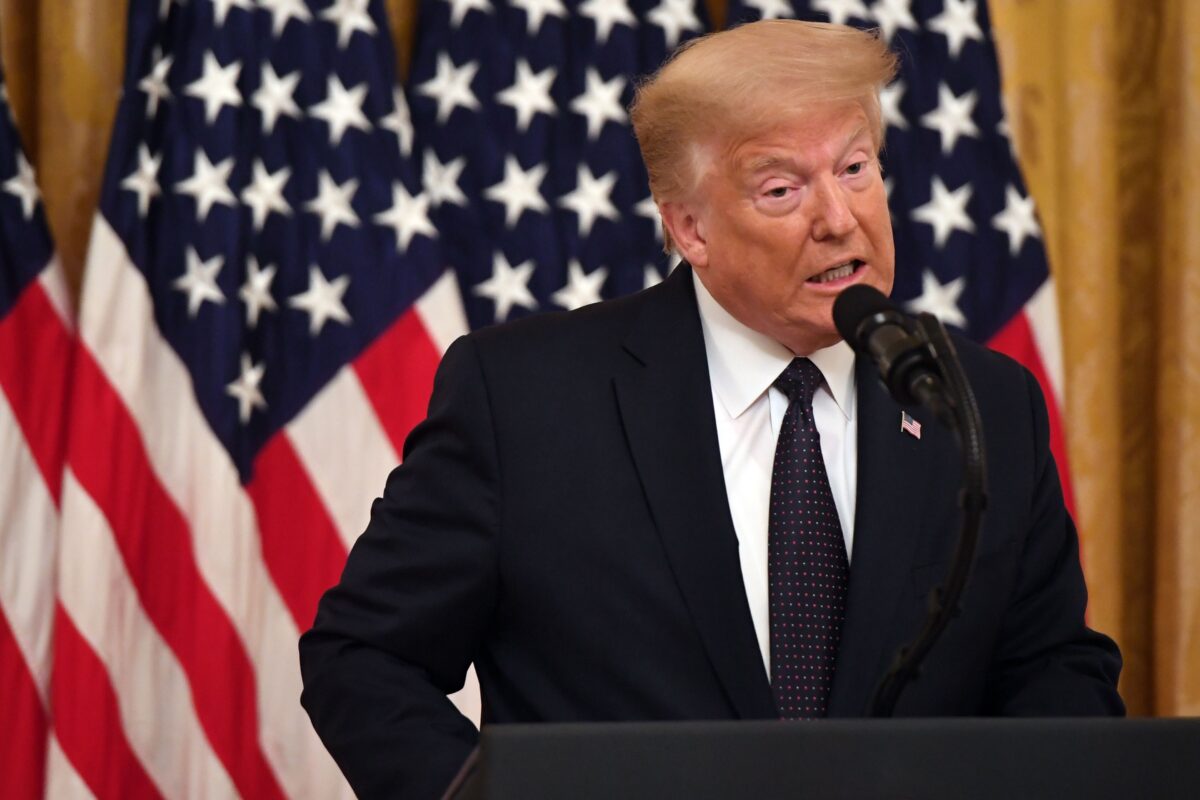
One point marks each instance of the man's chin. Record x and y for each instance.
(805, 338)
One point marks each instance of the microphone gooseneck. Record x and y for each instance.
(919, 365)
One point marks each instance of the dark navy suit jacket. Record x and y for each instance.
(561, 521)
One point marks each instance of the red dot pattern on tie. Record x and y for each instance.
(807, 565)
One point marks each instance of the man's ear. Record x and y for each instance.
(687, 229)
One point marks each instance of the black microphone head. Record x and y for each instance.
(854, 305)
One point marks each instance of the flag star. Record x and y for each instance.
(893, 15)
(199, 281)
(164, 8)
(143, 181)
(952, 117)
(408, 216)
(1018, 219)
(651, 276)
(264, 194)
(649, 209)
(245, 389)
(256, 291)
(582, 288)
(674, 17)
(840, 11)
(349, 16)
(451, 86)
(957, 23)
(322, 301)
(508, 286)
(940, 300)
(208, 185)
(889, 104)
(946, 211)
(23, 185)
(282, 11)
(441, 180)
(221, 8)
(537, 10)
(460, 8)
(276, 96)
(342, 109)
(606, 14)
(529, 93)
(332, 204)
(155, 84)
(399, 122)
(772, 9)
(591, 198)
(600, 102)
(518, 190)
(217, 86)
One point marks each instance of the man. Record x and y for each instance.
(694, 503)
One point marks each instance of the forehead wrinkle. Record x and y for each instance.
(755, 163)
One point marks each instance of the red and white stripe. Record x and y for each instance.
(183, 591)
(161, 727)
(35, 348)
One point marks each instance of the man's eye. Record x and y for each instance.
(856, 168)
(778, 191)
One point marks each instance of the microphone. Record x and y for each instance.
(918, 364)
(907, 362)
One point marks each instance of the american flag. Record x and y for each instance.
(910, 425)
(263, 310)
(968, 243)
(267, 298)
(520, 115)
(35, 353)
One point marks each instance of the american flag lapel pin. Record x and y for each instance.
(910, 425)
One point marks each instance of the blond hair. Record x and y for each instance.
(729, 86)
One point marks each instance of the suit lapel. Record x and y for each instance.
(896, 473)
(666, 409)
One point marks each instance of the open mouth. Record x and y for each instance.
(837, 272)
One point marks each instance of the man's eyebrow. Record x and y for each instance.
(766, 162)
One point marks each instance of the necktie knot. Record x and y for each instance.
(799, 380)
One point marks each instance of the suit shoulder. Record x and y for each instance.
(571, 333)
(989, 367)
(1004, 388)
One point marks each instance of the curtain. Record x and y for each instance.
(63, 61)
(1104, 105)
(1102, 96)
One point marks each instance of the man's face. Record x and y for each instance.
(784, 222)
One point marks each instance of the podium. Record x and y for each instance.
(923, 759)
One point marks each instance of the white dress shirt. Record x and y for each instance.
(742, 365)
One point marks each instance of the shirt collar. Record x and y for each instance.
(743, 363)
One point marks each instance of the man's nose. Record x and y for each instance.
(831, 214)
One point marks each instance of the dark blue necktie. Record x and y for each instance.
(807, 564)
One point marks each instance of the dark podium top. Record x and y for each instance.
(901, 758)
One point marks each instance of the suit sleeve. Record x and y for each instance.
(398, 632)
(1048, 662)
